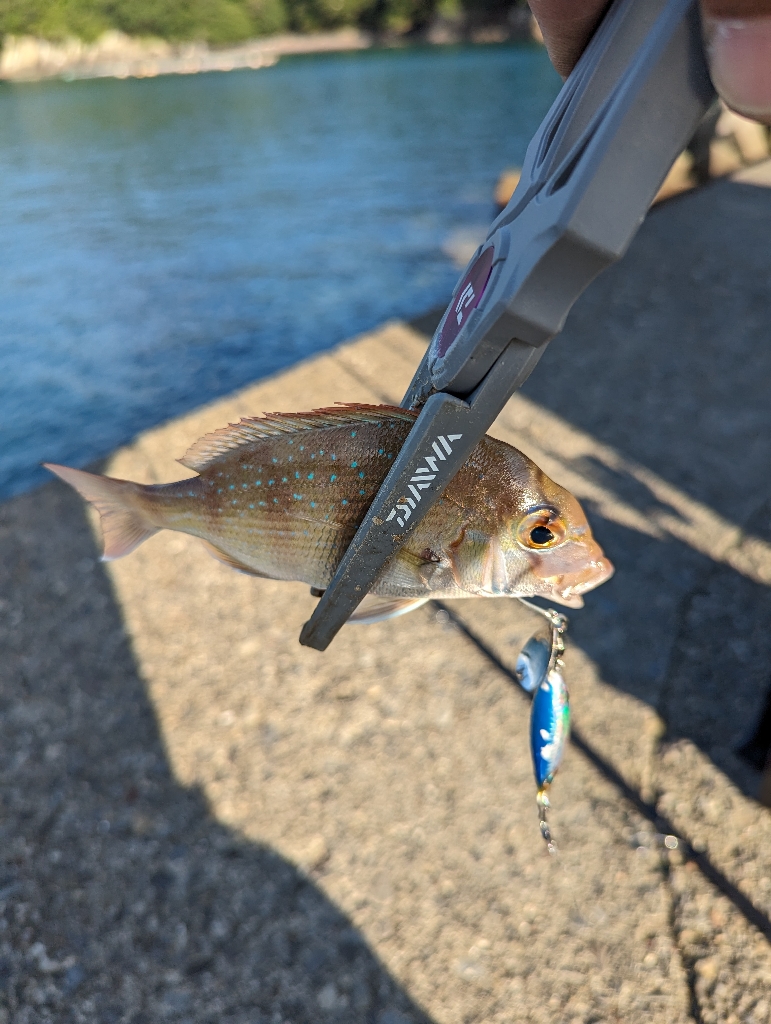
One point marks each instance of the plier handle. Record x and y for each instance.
(590, 174)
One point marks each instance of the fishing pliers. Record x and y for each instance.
(591, 171)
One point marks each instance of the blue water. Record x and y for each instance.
(169, 240)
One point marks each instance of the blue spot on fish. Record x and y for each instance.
(275, 459)
(271, 482)
(251, 506)
(353, 433)
(344, 501)
(257, 483)
(313, 504)
(333, 457)
(381, 451)
(333, 478)
(297, 476)
(297, 497)
(244, 486)
(354, 465)
(361, 475)
(310, 476)
(232, 487)
(284, 480)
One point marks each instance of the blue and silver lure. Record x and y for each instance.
(539, 671)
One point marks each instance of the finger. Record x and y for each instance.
(738, 36)
(567, 26)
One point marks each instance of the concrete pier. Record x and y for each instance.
(203, 821)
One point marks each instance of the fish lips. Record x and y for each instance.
(568, 588)
(573, 573)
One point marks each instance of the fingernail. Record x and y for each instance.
(740, 59)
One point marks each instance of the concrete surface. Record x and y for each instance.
(204, 822)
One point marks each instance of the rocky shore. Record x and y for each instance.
(117, 55)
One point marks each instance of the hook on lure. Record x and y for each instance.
(539, 671)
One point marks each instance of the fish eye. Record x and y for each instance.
(541, 535)
(541, 528)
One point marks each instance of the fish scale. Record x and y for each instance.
(307, 499)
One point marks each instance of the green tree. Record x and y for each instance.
(220, 22)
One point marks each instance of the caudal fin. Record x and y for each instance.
(125, 523)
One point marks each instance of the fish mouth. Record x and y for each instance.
(568, 588)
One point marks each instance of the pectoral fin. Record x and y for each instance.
(478, 564)
(414, 574)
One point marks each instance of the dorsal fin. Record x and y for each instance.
(261, 428)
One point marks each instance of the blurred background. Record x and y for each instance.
(201, 821)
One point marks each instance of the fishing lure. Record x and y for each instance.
(539, 671)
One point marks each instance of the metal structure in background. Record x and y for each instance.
(592, 169)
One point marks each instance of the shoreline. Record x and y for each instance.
(116, 55)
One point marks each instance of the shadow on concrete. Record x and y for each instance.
(666, 357)
(121, 898)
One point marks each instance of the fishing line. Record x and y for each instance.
(672, 837)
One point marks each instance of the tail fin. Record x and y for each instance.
(125, 523)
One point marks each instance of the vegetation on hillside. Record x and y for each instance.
(229, 21)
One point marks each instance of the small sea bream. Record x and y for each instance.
(281, 496)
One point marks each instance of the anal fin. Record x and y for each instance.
(229, 560)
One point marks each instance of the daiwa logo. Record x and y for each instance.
(423, 477)
(466, 297)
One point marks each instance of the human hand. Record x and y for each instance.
(737, 34)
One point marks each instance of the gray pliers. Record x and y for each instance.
(591, 172)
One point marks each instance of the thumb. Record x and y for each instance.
(738, 37)
(567, 26)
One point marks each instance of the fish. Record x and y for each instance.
(280, 496)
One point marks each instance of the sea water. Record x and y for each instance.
(168, 240)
